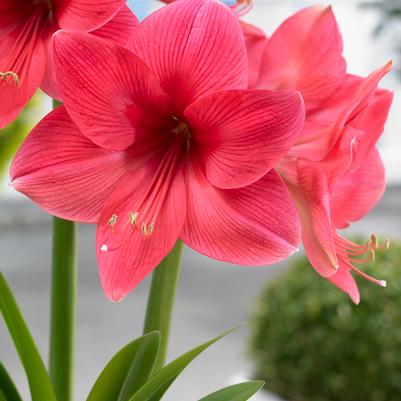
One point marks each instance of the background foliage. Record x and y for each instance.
(310, 343)
(12, 136)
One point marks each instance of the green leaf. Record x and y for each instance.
(38, 378)
(128, 370)
(237, 392)
(2, 396)
(154, 389)
(7, 387)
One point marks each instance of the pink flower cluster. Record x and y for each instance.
(195, 125)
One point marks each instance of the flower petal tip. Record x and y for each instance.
(383, 283)
(389, 66)
(115, 295)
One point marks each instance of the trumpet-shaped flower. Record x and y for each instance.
(165, 141)
(334, 172)
(26, 27)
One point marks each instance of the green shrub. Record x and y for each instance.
(310, 343)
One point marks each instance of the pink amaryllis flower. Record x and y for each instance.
(26, 27)
(165, 141)
(334, 172)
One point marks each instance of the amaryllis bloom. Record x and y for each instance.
(26, 27)
(165, 141)
(334, 172)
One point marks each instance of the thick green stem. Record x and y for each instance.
(161, 299)
(63, 308)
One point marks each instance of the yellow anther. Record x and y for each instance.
(144, 230)
(386, 243)
(4, 75)
(374, 244)
(113, 220)
(147, 230)
(133, 217)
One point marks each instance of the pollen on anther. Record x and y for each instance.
(4, 75)
(113, 220)
(133, 217)
(151, 228)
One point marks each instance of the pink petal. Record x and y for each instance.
(371, 120)
(194, 47)
(357, 191)
(305, 54)
(108, 92)
(256, 41)
(344, 280)
(354, 94)
(254, 225)
(241, 135)
(22, 56)
(357, 105)
(311, 196)
(86, 15)
(119, 29)
(63, 171)
(125, 255)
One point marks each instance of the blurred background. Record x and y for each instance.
(212, 296)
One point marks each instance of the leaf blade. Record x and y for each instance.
(120, 377)
(158, 384)
(237, 392)
(38, 378)
(7, 386)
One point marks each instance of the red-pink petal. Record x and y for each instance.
(354, 95)
(86, 15)
(241, 135)
(125, 255)
(254, 225)
(22, 56)
(194, 47)
(119, 30)
(344, 280)
(256, 41)
(305, 54)
(109, 92)
(63, 171)
(356, 192)
(311, 195)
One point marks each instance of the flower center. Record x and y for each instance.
(45, 3)
(142, 218)
(349, 252)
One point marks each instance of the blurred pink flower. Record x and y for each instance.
(165, 142)
(26, 27)
(334, 172)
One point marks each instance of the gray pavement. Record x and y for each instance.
(212, 297)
